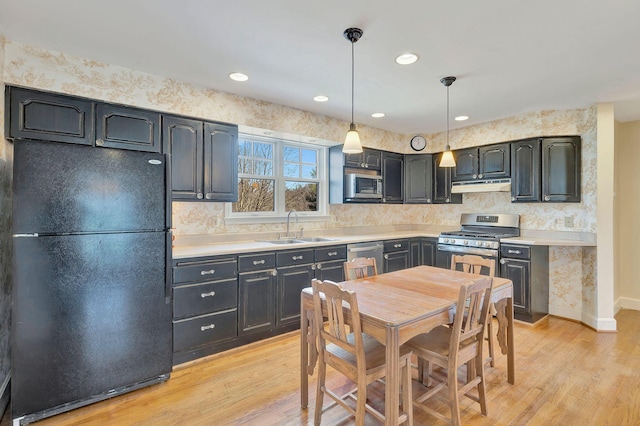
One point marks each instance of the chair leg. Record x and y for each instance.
(407, 398)
(482, 394)
(361, 401)
(322, 371)
(490, 339)
(454, 399)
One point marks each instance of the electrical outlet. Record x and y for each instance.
(568, 221)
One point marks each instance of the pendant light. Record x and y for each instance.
(447, 159)
(352, 143)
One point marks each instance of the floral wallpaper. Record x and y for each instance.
(53, 71)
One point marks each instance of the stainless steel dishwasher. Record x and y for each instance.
(369, 249)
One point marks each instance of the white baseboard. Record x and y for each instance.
(599, 324)
(628, 303)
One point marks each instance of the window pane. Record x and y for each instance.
(291, 154)
(309, 156)
(263, 168)
(291, 170)
(263, 150)
(309, 172)
(244, 166)
(255, 195)
(244, 148)
(301, 196)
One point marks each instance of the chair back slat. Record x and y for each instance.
(473, 264)
(474, 299)
(360, 267)
(337, 329)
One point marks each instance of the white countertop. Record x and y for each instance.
(195, 248)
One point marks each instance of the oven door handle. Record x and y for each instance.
(468, 250)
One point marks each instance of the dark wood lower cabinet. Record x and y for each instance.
(423, 251)
(256, 307)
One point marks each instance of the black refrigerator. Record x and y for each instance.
(91, 313)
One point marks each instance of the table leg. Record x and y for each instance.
(392, 381)
(511, 355)
(304, 355)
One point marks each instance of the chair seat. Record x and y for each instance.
(374, 351)
(437, 342)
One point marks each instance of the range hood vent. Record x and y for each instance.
(487, 185)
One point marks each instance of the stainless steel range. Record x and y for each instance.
(480, 235)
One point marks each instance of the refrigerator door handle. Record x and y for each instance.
(168, 280)
(25, 235)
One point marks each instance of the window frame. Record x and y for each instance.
(279, 177)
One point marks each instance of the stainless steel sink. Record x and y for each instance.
(285, 241)
(315, 239)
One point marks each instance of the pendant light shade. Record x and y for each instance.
(352, 143)
(447, 159)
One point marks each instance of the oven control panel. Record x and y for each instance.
(469, 242)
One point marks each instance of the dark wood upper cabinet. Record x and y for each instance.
(442, 183)
(485, 162)
(367, 159)
(561, 169)
(525, 176)
(49, 117)
(127, 128)
(182, 137)
(418, 177)
(392, 177)
(204, 159)
(220, 162)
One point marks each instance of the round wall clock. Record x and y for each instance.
(418, 143)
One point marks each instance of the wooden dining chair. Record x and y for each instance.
(480, 266)
(360, 267)
(452, 347)
(356, 355)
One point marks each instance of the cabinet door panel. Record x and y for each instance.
(525, 179)
(396, 261)
(221, 162)
(127, 128)
(256, 302)
(494, 161)
(466, 165)
(50, 117)
(429, 249)
(183, 139)
(418, 180)
(333, 271)
(442, 184)
(518, 271)
(392, 178)
(561, 170)
(291, 281)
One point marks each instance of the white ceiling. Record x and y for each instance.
(510, 56)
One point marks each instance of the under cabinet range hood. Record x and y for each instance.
(485, 185)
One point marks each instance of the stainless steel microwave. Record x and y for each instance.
(360, 186)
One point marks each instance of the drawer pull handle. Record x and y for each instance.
(207, 327)
(297, 257)
(259, 262)
(210, 294)
(209, 272)
(514, 251)
(397, 245)
(332, 253)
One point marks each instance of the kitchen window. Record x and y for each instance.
(276, 176)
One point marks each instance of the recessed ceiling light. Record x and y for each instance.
(407, 58)
(378, 114)
(238, 76)
(321, 98)
(461, 118)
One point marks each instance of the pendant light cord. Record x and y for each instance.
(352, 79)
(448, 147)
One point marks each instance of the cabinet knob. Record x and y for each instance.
(259, 262)
(502, 261)
(363, 165)
(513, 198)
(428, 200)
(297, 257)
(332, 253)
(208, 196)
(210, 294)
(447, 199)
(480, 175)
(209, 272)
(274, 272)
(514, 251)
(317, 266)
(199, 195)
(99, 142)
(207, 327)
(475, 176)
(547, 198)
(386, 256)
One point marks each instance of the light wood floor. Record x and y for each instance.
(566, 374)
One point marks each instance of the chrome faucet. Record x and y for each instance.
(288, 219)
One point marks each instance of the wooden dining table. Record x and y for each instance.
(396, 306)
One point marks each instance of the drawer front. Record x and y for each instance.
(204, 330)
(396, 245)
(198, 299)
(515, 252)
(205, 271)
(256, 262)
(323, 254)
(294, 257)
